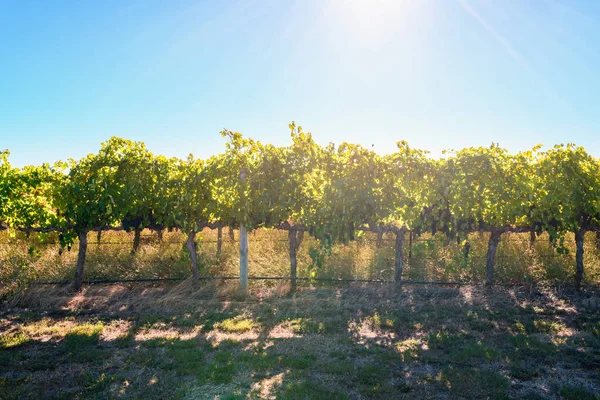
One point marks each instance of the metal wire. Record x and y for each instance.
(303, 279)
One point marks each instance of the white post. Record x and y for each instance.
(243, 248)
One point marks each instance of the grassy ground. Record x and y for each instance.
(38, 258)
(170, 341)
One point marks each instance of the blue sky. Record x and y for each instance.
(440, 74)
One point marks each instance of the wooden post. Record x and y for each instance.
(219, 241)
(579, 238)
(191, 246)
(99, 237)
(398, 261)
(491, 256)
(243, 259)
(243, 247)
(80, 260)
(410, 238)
(293, 263)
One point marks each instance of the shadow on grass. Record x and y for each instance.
(355, 342)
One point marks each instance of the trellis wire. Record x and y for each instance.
(304, 279)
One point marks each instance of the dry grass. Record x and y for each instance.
(432, 258)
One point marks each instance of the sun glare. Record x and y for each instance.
(370, 22)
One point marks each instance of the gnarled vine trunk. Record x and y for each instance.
(191, 246)
(219, 241)
(136, 240)
(293, 239)
(491, 256)
(466, 249)
(398, 260)
(80, 260)
(299, 238)
(159, 234)
(379, 239)
(98, 237)
(579, 238)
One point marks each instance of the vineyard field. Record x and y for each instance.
(313, 219)
(334, 195)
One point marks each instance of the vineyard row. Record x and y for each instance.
(333, 193)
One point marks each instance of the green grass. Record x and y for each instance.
(474, 383)
(187, 356)
(386, 321)
(531, 346)
(538, 326)
(235, 325)
(219, 373)
(337, 368)
(444, 340)
(15, 339)
(83, 335)
(306, 326)
(523, 371)
(473, 353)
(297, 361)
(593, 327)
(374, 380)
(551, 327)
(570, 392)
(306, 390)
